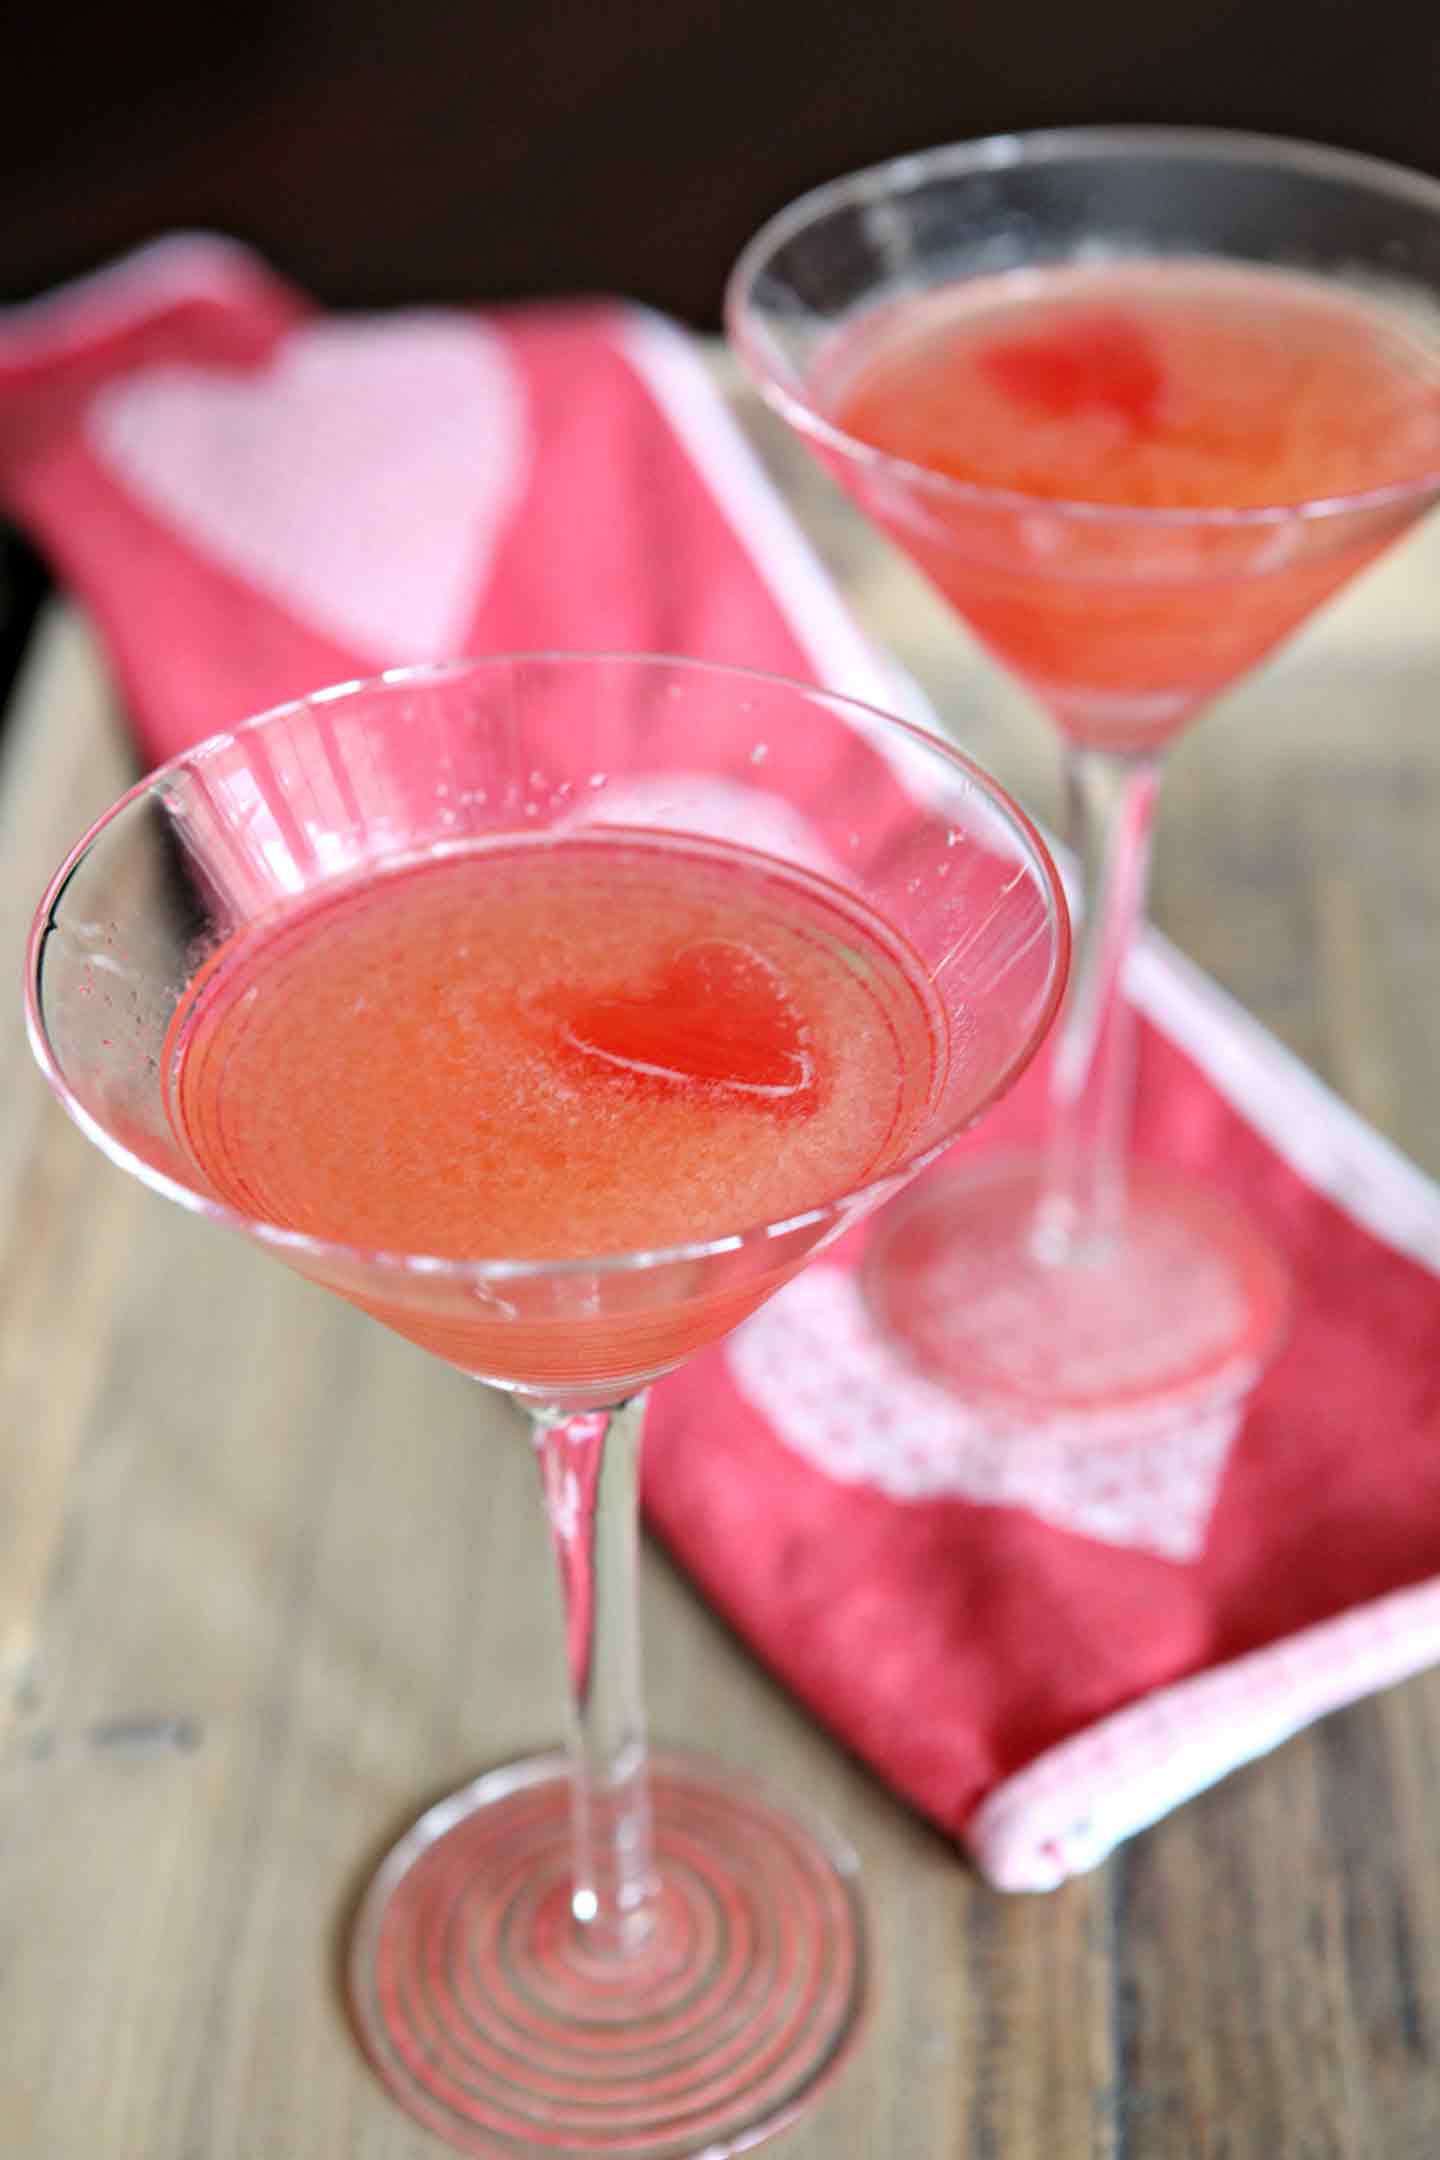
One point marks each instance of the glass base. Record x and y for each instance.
(1186, 1307)
(493, 2024)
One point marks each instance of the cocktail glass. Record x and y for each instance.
(1071, 1282)
(594, 1955)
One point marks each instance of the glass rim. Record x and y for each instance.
(298, 1244)
(903, 175)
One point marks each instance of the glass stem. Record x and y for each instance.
(590, 1466)
(1111, 805)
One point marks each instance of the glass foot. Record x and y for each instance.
(1186, 1307)
(492, 2023)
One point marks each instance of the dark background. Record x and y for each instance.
(385, 151)
(395, 150)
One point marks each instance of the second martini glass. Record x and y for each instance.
(555, 1010)
(1138, 401)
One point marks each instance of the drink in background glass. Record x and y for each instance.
(1183, 386)
(1138, 401)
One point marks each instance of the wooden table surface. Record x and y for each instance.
(270, 1579)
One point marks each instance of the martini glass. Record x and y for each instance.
(670, 972)
(1138, 401)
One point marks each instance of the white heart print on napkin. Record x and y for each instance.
(811, 1363)
(362, 479)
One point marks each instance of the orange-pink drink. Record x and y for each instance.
(579, 1047)
(1190, 388)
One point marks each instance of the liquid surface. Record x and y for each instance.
(1187, 384)
(582, 1047)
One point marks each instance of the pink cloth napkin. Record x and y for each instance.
(1042, 1642)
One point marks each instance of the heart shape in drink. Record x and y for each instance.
(1098, 361)
(317, 447)
(718, 1014)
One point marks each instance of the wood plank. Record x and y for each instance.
(1279, 1951)
(62, 760)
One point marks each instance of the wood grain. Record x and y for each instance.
(270, 1580)
(59, 1224)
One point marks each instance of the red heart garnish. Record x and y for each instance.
(1096, 361)
(718, 1014)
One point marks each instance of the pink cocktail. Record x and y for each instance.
(593, 1043)
(1138, 401)
(555, 1010)
(1185, 386)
